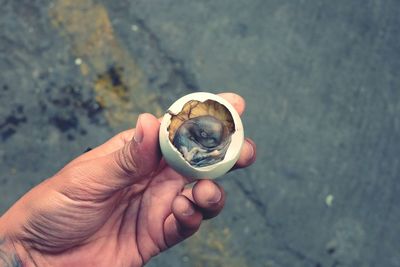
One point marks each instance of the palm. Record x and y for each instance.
(131, 228)
(141, 216)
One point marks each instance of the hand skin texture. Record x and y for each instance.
(117, 205)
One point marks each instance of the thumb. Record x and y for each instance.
(140, 156)
(137, 159)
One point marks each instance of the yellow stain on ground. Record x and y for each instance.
(212, 247)
(88, 29)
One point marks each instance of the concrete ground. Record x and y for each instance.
(321, 80)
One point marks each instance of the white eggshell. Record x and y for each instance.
(175, 159)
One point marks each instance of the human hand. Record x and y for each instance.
(116, 205)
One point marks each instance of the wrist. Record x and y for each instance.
(8, 254)
(13, 253)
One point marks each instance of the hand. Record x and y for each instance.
(116, 205)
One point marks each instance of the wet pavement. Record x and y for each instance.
(321, 80)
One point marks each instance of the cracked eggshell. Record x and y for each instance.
(176, 160)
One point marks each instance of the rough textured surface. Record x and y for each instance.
(322, 87)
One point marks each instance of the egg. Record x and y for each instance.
(201, 136)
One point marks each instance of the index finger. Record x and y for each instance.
(236, 101)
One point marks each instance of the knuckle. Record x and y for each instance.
(126, 161)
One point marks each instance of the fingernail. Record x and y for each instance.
(216, 197)
(138, 137)
(188, 211)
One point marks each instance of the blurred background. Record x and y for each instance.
(321, 80)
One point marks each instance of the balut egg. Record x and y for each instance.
(201, 135)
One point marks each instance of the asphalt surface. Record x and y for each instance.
(321, 80)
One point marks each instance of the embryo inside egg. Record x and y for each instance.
(201, 132)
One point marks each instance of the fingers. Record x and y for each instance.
(205, 200)
(209, 197)
(236, 101)
(247, 156)
(183, 222)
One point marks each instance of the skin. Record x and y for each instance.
(116, 205)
